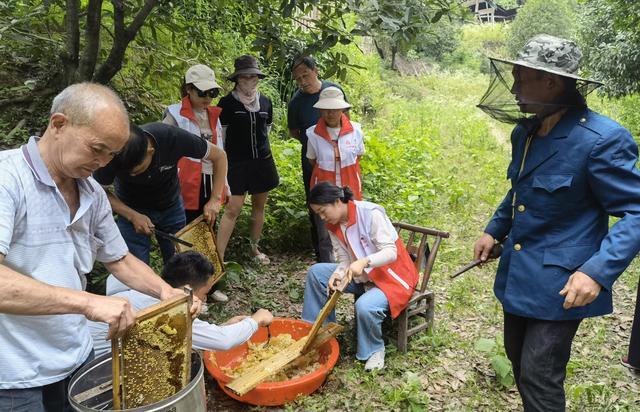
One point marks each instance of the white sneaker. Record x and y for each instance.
(261, 258)
(376, 361)
(219, 296)
(204, 309)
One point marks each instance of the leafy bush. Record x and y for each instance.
(499, 361)
(610, 39)
(553, 17)
(477, 41)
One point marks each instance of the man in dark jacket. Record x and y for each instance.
(571, 169)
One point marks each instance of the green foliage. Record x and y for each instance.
(508, 4)
(409, 396)
(623, 109)
(553, 17)
(397, 25)
(442, 38)
(477, 41)
(610, 39)
(499, 361)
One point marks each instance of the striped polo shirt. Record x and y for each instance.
(40, 240)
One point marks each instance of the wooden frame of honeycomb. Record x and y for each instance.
(155, 354)
(200, 234)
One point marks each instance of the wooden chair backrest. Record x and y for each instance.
(417, 245)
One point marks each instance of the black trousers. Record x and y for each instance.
(634, 342)
(319, 234)
(539, 351)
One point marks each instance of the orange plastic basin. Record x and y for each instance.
(274, 393)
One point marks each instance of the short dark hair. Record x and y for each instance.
(306, 60)
(325, 193)
(134, 151)
(188, 268)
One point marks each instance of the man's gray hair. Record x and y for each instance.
(79, 102)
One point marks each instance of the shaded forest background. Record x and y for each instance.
(143, 47)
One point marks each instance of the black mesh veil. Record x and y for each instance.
(499, 103)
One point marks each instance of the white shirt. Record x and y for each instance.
(202, 116)
(205, 335)
(39, 239)
(382, 238)
(334, 133)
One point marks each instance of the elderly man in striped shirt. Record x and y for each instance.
(55, 221)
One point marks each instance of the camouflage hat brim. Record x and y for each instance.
(547, 69)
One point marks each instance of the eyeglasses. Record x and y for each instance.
(210, 93)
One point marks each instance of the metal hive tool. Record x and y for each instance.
(153, 360)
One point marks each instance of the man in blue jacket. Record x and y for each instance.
(571, 169)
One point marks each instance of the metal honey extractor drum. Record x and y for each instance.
(90, 389)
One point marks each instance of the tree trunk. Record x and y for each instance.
(394, 51)
(92, 41)
(122, 37)
(70, 57)
(379, 49)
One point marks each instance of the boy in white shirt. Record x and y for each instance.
(194, 270)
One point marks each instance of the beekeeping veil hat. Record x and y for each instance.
(542, 52)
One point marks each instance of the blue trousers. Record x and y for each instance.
(371, 308)
(169, 220)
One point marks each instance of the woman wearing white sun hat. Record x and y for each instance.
(335, 144)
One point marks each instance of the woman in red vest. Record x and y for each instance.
(195, 114)
(372, 262)
(335, 144)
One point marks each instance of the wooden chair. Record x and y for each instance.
(423, 244)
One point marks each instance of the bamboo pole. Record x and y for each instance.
(115, 371)
(324, 312)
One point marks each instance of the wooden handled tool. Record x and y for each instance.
(495, 253)
(324, 312)
(270, 366)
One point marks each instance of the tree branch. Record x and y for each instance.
(26, 98)
(122, 37)
(140, 18)
(70, 57)
(92, 40)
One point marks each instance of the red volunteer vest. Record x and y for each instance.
(190, 171)
(350, 174)
(398, 279)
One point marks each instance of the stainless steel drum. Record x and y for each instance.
(90, 389)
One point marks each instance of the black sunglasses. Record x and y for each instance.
(211, 92)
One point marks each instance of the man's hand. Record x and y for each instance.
(210, 210)
(483, 246)
(338, 281)
(142, 224)
(196, 305)
(580, 290)
(357, 267)
(117, 312)
(263, 317)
